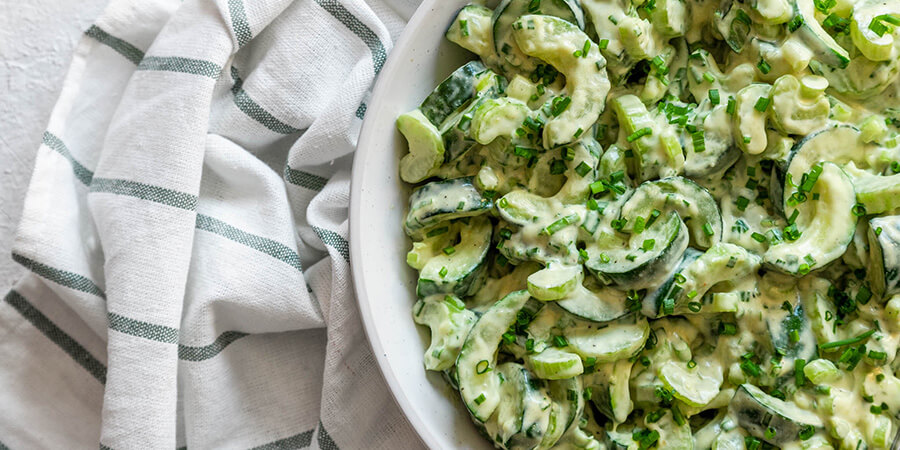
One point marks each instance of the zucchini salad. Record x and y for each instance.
(667, 224)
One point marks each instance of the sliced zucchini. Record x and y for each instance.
(758, 412)
(796, 108)
(719, 151)
(644, 259)
(426, 147)
(577, 187)
(556, 41)
(693, 203)
(453, 92)
(657, 150)
(653, 302)
(554, 282)
(609, 389)
(603, 305)
(694, 386)
(826, 225)
(610, 342)
(749, 121)
(817, 39)
(450, 322)
(554, 364)
(462, 271)
(506, 14)
(479, 384)
(471, 30)
(440, 201)
(884, 255)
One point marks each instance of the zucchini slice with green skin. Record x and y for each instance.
(555, 41)
(471, 30)
(462, 271)
(426, 147)
(693, 203)
(452, 93)
(450, 322)
(603, 305)
(554, 364)
(609, 389)
(657, 150)
(826, 225)
(440, 201)
(817, 39)
(757, 412)
(645, 259)
(479, 385)
(884, 255)
(508, 11)
(609, 342)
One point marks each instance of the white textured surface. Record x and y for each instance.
(36, 42)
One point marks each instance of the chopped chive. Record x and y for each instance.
(560, 341)
(709, 77)
(603, 44)
(443, 272)
(742, 202)
(648, 244)
(761, 104)
(646, 131)
(695, 306)
(763, 66)
(603, 258)
(578, 132)
(479, 400)
(582, 169)
(729, 108)
(638, 225)
(449, 250)
(750, 368)
(482, 366)
(586, 48)
(877, 355)
(699, 141)
(714, 96)
(557, 167)
(708, 229)
(858, 210)
(598, 187)
(559, 105)
(850, 341)
(560, 224)
(795, 23)
(727, 329)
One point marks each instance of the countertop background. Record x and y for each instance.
(37, 38)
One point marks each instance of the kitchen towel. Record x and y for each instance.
(186, 234)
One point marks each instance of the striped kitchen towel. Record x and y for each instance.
(186, 233)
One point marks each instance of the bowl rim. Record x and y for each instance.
(356, 271)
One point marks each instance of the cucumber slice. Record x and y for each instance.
(757, 412)
(840, 145)
(749, 122)
(692, 202)
(817, 39)
(772, 12)
(612, 342)
(653, 301)
(440, 201)
(453, 92)
(826, 225)
(869, 43)
(884, 256)
(554, 364)
(639, 265)
(508, 11)
(877, 193)
(426, 147)
(862, 79)
(471, 30)
(462, 271)
(719, 152)
(722, 262)
(567, 405)
(796, 113)
(450, 322)
(556, 41)
(671, 435)
(657, 153)
(781, 327)
(819, 308)
(554, 282)
(479, 385)
(603, 305)
(620, 441)
(521, 402)
(499, 117)
(609, 389)
(669, 18)
(695, 387)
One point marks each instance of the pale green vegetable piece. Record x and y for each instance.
(752, 102)
(798, 108)
(695, 387)
(450, 322)
(498, 117)
(554, 364)
(554, 282)
(862, 31)
(555, 41)
(471, 30)
(426, 147)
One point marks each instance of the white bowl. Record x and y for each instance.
(384, 284)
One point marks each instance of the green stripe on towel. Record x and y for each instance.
(179, 64)
(268, 246)
(379, 54)
(65, 278)
(334, 240)
(122, 47)
(153, 332)
(253, 110)
(145, 192)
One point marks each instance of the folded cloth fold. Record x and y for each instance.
(186, 232)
